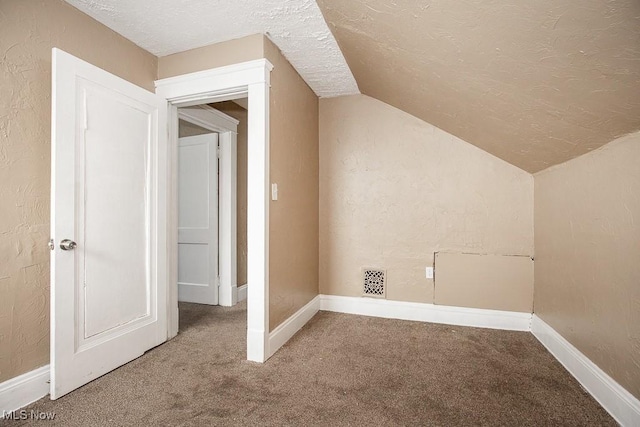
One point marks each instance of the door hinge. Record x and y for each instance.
(51, 244)
(218, 151)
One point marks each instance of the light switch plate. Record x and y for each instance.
(429, 271)
(274, 191)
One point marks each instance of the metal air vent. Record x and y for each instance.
(373, 283)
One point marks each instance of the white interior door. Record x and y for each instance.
(198, 219)
(108, 221)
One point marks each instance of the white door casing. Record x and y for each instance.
(249, 79)
(109, 195)
(227, 129)
(198, 219)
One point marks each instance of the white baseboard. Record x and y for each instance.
(422, 312)
(280, 335)
(22, 390)
(242, 292)
(621, 404)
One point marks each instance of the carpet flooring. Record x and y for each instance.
(339, 370)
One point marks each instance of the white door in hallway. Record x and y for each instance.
(198, 219)
(108, 222)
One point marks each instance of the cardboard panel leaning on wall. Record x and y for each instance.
(28, 32)
(394, 190)
(293, 218)
(495, 282)
(587, 269)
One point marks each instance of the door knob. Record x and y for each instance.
(68, 245)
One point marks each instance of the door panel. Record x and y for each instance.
(193, 190)
(115, 171)
(194, 263)
(108, 295)
(198, 219)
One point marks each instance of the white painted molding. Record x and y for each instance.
(172, 222)
(421, 312)
(208, 118)
(258, 222)
(227, 295)
(228, 225)
(621, 404)
(250, 79)
(220, 72)
(242, 292)
(222, 83)
(283, 333)
(20, 391)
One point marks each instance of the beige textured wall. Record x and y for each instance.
(293, 218)
(587, 269)
(212, 56)
(28, 31)
(395, 189)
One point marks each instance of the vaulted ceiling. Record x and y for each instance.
(535, 83)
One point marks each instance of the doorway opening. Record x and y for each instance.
(251, 80)
(212, 205)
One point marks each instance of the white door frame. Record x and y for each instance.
(248, 79)
(227, 128)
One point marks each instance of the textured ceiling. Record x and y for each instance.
(535, 83)
(297, 27)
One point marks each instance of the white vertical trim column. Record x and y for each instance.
(172, 222)
(228, 291)
(258, 223)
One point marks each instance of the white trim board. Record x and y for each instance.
(287, 329)
(22, 390)
(209, 118)
(422, 312)
(621, 404)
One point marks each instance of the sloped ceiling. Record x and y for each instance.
(535, 83)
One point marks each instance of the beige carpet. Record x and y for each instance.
(339, 370)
